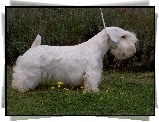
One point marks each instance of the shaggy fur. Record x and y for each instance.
(72, 65)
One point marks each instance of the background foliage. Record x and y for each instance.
(70, 26)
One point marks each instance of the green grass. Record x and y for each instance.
(128, 93)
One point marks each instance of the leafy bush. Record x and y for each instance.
(70, 26)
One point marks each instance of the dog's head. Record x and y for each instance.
(122, 43)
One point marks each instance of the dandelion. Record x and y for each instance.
(81, 87)
(52, 88)
(84, 92)
(106, 91)
(122, 77)
(59, 84)
(66, 89)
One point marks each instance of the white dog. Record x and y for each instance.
(74, 65)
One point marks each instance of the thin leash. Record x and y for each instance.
(103, 24)
(103, 19)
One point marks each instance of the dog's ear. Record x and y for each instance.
(112, 34)
(112, 44)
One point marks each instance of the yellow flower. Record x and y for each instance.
(59, 83)
(66, 89)
(122, 77)
(106, 91)
(84, 92)
(52, 88)
(81, 87)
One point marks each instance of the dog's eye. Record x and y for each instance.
(123, 37)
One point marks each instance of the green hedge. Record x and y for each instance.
(70, 26)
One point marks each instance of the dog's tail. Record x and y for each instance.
(37, 41)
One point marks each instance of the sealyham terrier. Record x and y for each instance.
(75, 65)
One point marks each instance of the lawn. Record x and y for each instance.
(121, 93)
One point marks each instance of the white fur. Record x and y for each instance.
(75, 65)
